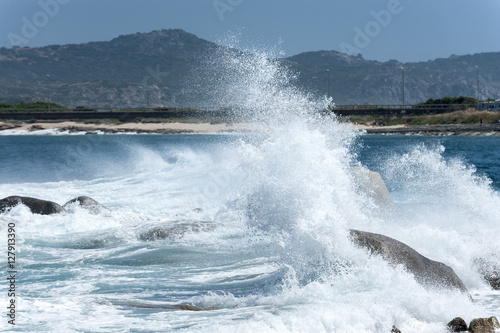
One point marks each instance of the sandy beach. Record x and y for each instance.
(72, 127)
(166, 127)
(162, 128)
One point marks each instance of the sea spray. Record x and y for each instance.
(294, 182)
(296, 188)
(448, 202)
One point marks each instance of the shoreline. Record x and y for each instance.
(73, 127)
(443, 130)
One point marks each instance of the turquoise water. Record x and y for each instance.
(278, 258)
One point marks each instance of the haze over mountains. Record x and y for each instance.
(155, 69)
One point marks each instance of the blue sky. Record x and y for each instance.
(406, 30)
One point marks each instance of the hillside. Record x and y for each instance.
(129, 71)
(354, 80)
(153, 69)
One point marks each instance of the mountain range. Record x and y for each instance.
(153, 69)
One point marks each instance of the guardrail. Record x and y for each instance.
(406, 107)
(398, 110)
(337, 107)
(101, 113)
(134, 113)
(102, 110)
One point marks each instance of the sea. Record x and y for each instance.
(246, 231)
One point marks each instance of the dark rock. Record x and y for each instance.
(493, 280)
(6, 126)
(36, 128)
(490, 270)
(176, 231)
(484, 325)
(457, 325)
(87, 203)
(427, 272)
(36, 206)
(395, 329)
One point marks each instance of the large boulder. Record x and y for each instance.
(427, 272)
(478, 325)
(457, 325)
(36, 206)
(372, 184)
(484, 325)
(87, 203)
(176, 231)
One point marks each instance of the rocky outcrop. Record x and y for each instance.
(457, 325)
(427, 272)
(44, 207)
(449, 129)
(479, 325)
(372, 184)
(490, 270)
(87, 203)
(484, 325)
(395, 329)
(37, 206)
(176, 231)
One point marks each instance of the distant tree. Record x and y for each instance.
(33, 106)
(451, 100)
(83, 108)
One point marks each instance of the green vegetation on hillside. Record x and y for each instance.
(464, 117)
(451, 100)
(163, 68)
(461, 117)
(32, 106)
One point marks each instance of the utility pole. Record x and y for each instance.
(48, 93)
(477, 87)
(403, 70)
(328, 71)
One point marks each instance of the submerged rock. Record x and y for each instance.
(177, 231)
(457, 325)
(37, 206)
(427, 272)
(143, 305)
(85, 202)
(484, 325)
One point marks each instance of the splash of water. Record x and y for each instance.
(294, 181)
(294, 184)
(254, 84)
